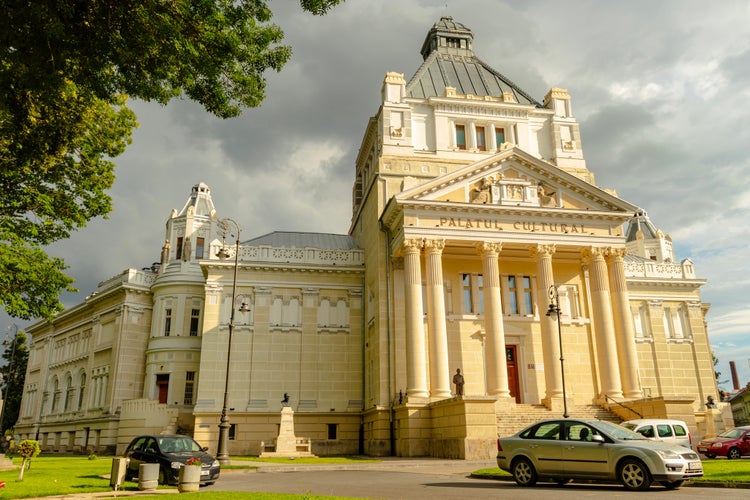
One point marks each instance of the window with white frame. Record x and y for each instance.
(195, 321)
(518, 295)
(480, 139)
(460, 136)
(472, 293)
(641, 322)
(167, 321)
(189, 386)
(676, 324)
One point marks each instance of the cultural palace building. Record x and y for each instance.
(473, 212)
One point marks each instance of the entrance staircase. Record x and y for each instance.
(523, 415)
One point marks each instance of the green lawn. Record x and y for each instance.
(52, 475)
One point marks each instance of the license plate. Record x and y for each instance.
(695, 466)
(205, 472)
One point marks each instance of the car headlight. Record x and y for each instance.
(716, 445)
(177, 465)
(668, 454)
(215, 463)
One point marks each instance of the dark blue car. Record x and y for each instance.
(171, 452)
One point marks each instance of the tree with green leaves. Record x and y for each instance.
(13, 374)
(66, 68)
(27, 449)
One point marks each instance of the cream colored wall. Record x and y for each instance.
(320, 367)
(118, 323)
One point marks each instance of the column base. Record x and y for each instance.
(556, 404)
(505, 404)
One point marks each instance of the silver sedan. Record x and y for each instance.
(566, 449)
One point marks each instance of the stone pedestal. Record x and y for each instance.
(287, 444)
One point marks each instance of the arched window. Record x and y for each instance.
(69, 390)
(81, 390)
(55, 394)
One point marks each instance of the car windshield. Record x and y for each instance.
(618, 431)
(172, 444)
(731, 433)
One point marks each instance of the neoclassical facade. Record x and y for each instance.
(473, 211)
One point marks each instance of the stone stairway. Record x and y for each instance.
(510, 422)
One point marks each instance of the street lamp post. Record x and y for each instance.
(554, 309)
(228, 226)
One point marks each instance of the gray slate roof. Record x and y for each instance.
(291, 239)
(449, 61)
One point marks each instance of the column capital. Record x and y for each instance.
(615, 254)
(489, 247)
(540, 250)
(434, 245)
(412, 245)
(594, 253)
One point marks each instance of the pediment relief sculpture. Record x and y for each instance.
(498, 189)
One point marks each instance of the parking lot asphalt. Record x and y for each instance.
(422, 465)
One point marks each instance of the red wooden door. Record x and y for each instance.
(510, 361)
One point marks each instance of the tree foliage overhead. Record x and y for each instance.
(66, 67)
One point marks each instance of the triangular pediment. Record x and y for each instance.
(515, 179)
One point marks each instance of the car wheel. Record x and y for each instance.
(734, 453)
(523, 472)
(671, 485)
(634, 475)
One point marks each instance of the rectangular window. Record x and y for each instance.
(332, 431)
(460, 137)
(199, 245)
(512, 291)
(195, 316)
(189, 383)
(499, 136)
(481, 145)
(167, 322)
(473, 293)
(468, 303)
(520, 297)
(232, 432)
(178, 255)
(527, 296)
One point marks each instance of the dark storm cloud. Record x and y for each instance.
(659, 89)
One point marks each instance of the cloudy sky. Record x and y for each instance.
(661, 90)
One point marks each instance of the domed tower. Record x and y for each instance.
(644, 240)
(174, 349)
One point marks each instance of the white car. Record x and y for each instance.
(659, 429)
(566, 449)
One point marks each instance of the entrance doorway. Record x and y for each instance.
(511, 352)
(162, 385)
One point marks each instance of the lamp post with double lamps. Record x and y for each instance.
(228, 227)
(554, 309)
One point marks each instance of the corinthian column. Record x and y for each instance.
(439, 370)
(550, 342)
(606, 347)
(623, 321)
(416, 378)
(497, 370)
